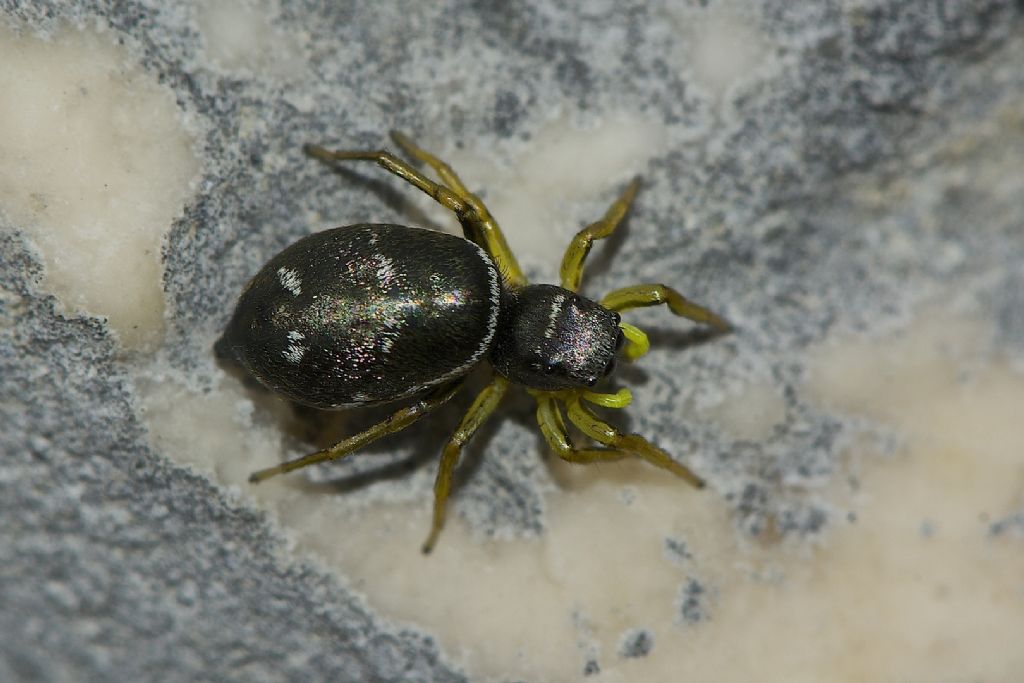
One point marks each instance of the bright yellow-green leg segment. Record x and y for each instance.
(485, 403)
(653, 295)
(549, 417)
(445, 172)
(576, 254)
(602, 432)
(480, 226)
(637, 343)
(439, 193)
(620, 399)
(395, 422)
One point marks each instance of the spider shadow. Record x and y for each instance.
(424, 440)
(677, 340)
(389, 195)
(307, 429)
(666, 339)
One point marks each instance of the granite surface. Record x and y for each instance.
(117, 564)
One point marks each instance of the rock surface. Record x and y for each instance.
(823, 168)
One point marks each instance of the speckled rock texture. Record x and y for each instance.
(117, 565)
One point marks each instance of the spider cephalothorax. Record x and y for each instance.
(551, 338)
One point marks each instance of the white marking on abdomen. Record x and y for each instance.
(290, 280)
(385, 270)
(295, 350)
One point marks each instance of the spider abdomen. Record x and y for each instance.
(366, 314)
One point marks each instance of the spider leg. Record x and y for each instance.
(549, 417)
(484, 404)
(572, 262)
(396, 422)
(445, 172)
(480, 227)
(439, 193)
(652, 295)
(602, 432)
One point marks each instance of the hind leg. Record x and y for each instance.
(392, 164)
(396, 422)
(481, 227)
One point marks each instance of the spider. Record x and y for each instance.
(371, 313)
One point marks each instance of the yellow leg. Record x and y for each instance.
(553, 428)
(485, 403)
(637, 343)
(481, 227)
(652, 295)
(445, 172)
(602, 432)
(394, 423)
(439, 193)
(576, 253)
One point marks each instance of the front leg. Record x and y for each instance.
(552, 427)
(604, 433)
(652, 295)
